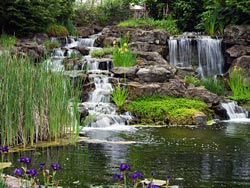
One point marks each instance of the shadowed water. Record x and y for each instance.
(217, 156)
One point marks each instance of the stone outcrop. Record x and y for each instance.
(26, 46)
(174, 88)
(237, 47)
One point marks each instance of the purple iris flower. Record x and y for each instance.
(25, 160)
(4, 149)
(32, 172)
(149, 185)
(18, 171)
(55, 166)
(118, 176)
(136, 175)
(168, 177)
(152, 173)
(42, 165)
(124, 167)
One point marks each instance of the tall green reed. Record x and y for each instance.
(34, 102)
(119, 95)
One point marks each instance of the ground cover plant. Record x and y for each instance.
(167, 110)
(102, 52)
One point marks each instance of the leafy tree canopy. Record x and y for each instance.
(24, 17)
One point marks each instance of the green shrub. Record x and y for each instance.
(239, 84)
(167, 109)
(165, 24)
(192, 80)
(214, 85)
(50, 45)
(55, 30)
(71, 28)
(102, 52)
(123, 57)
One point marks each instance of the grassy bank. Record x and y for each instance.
(34, 102)
(167, 110)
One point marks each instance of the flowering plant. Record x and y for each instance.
(136, 179)
(28, 176)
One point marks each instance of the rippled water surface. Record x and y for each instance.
(217, 156)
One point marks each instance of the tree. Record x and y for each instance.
(24, 17)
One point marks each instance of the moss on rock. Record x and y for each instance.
(168, 110)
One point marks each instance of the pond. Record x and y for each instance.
(216, 156)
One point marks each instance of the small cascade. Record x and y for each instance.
(202, 52)
(99, 105)
(87, 42)
(233, 110)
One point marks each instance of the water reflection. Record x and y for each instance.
(212, 157)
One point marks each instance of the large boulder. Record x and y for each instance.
(238, 50)
(125, 72)
(242, 62)
(158, 37)
(173, 88)
(150, 58)
(155, 74)
(237, 35)
(146, 47)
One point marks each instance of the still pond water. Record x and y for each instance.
(216, 156)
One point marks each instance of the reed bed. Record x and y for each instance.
(34, 102)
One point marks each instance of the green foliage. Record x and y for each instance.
(106, 13)
(71, 28)
(167, 109)
(34, 102)
(214, 85)
(55, 30)
(168, 24)
(192, 80)
(49, 45)
(27, 17)
(239, 84)
(7, 41)
(102, 52)
(123, 57)
(119, 95)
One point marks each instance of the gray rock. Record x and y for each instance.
(150, 58)
(237, 35)
(238, 50)
(124, 72)
(200, 119)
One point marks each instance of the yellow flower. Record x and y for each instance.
(125, 44)
(235, 68)
(114, 42)
(125, 49)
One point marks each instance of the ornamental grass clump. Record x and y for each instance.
(239, 84)
(123, 56)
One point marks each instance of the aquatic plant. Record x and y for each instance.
(34, 102)
(119, 95)
(239, 84)
(126, 180)
(29, 176)
(123, 57)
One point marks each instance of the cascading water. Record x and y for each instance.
(234, 111)
(210, 57)
(202, 52)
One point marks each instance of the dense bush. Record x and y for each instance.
(55, 30)
(25, 17)
(108, 12)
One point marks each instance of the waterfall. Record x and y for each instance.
(181, 52)
(233, 110)
(202, 52)
(210, 57)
